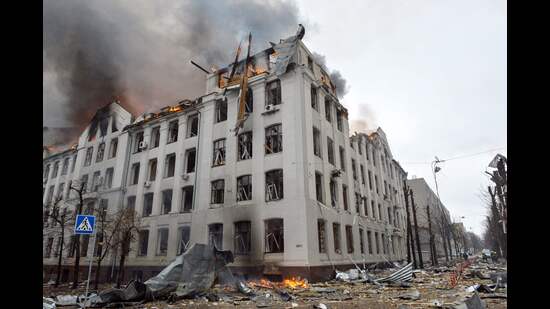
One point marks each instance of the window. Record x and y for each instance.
(372, 209)
(336, 235)
(72, 246)
(328, 109)
(362, 168)
(377, 242)
(319, 187)
(148, 204)
(333, 193)
(330, 146)
(109, 178)
(84, 245)
(131, 203)
(190, 160)
(169, 165)
(74, 164)
(274, 185)
(357, 203)
(349, 238)
(219, 152)
(84, 182)
(65, 167)
(369, 241)
(113, 147)
(365, 207)
(339, 116)
(360, 147)
(90, 207)
(96, 181)
(367, 151)
(172, 132)
(100, 152)
(244, 188)
(184, 233)
(342, 159)
(310, 63)
(60, 190)
(48, 250)
(217, 191)
(383, 243)
(221, 110)
(249, 104)
(345, 196)
(373, 157)
(314, 103)
(317, 142)
(187, 198)
(385, 188)
(273, 139)
(376, 183)
(152, 169)
(321, 236)
(143, 237)
(370, 180)
(353, 169)
(379, 212)
(273, 90)
(46, 172)
(135, 174)
(92, 132)
(361, 241)
(113, 125)
(242, 237)
(193, 126)
(244, 148)
(55, 169)
(389, 215)
(215, 235)
(155, 137)
(274, 236)
(137, 141)
(162, 247)
(166, 201)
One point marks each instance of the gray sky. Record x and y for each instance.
(432, 74)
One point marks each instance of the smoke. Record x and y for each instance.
(366, 121)
(138, 51)
(335, 75)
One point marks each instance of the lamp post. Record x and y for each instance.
(435, 169)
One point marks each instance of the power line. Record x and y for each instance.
(459, 157)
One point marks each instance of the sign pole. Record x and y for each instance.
(90, 268)
(85, 224)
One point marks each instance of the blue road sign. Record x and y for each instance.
(84, 224)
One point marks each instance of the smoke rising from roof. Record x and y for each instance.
(335, 75)
(366, 121)
(138, 51)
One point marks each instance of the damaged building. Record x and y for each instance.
(263, 165)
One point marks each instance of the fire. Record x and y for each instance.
(295, 282)
(174, 109)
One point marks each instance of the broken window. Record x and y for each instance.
(244, 188)
(349, 238)
(65, 167)
(215, 235)
(372, 209)
(152, 169)
(113, 148)
(384, 244)
(172, 132)
(169, 165)
(48, 250)
(339, 116)
(274, 236)
(143, 241)
(138, 141)
(135, 174)
(353, 169)
(321, 236)
(317, 142)
(193, 126)
(219, 152)
(187, 198)
(100, 152)
(84, 245)
(345, 196)
(336, 235)
(155, 137)
(243, 241)
(379, 212)
(367, 152)
(96, 181)
(166, 201)
(221, 110)
(330, 147)
(109, 178)
(362, 168)
(273, 90)
(389, 215)
(88, 159)
(148, 204)
(162, 247)
(370, 180)
(131, 202)
(342, 159)
(217, 191)
(46, 172)
(273, 139)
(244, 147)
(369, 241)
(328, 109)
(361, 241)
(333, 193)
(114, 127)
(274, 185)
(249, 104)
(84, 182)
(190, 159)
(357, 203)
(377, 242)
(319, 187)
(184, 233)
(376, 183)
(314, 103)
(365, 207)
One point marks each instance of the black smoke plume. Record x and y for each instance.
(335, 75)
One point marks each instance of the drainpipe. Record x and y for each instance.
(197, 158)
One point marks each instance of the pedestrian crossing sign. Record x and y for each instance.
(84, 224)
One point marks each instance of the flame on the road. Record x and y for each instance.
(295, 282)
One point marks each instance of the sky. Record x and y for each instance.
(432, 74)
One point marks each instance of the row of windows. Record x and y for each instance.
(380, 241)
(328, 108)
(55, 170)
(273, 188)
(103, 125)
(101, 152)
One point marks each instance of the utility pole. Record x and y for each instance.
(413, 206)
(409, 228)
(432, 243)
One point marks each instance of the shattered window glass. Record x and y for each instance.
(321, 234)
(187, 198)
(184, 233)
(172, 132)
(219, 152)
(89, 153)
(113, 148)
(333, 193)
(190, 157)
(100, 152)
(143, 242)
(349, 238)
(330, 148)
(65, 167)
(314, 98)
(242, 237)
(148, 204)
(169, 165)
(155, 137)
(193, 126)
(328, 109)
(215, 235)
(274, 236)
(273, 90)
(166, 201)
(317, 142)
(162, 248)
(274, 185)
(339, 123)
(221, 110)
(273, 139)
(55, 169)
(135, 174)
(361, 241)
(342, 159)
(319, 187)
(345, 196)
(217, 195)
(244, 188)
(249, 106)
(336, 236)
(245, 146)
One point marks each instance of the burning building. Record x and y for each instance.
(262, 164)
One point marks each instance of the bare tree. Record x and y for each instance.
(128, 227)
(61, 217)
(80, 190)
(107, 230)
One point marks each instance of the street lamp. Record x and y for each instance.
(435, 169)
